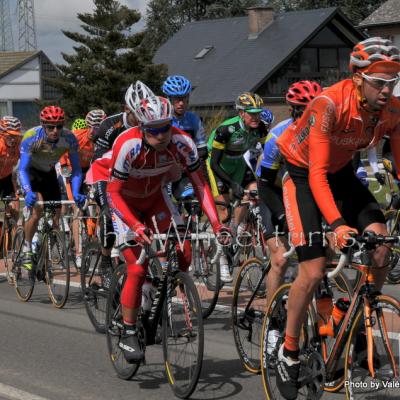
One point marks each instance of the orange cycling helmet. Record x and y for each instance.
(52, 115)
(301, 93)
(375, 55)
(10, 125)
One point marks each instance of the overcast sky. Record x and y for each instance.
(54, 15)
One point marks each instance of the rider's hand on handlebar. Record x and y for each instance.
(223, 234)
(30, 199)
(380, 178)
(79, 199)
(343, 234)
(143, 235)
(237, 191)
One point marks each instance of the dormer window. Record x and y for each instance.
(203, 52)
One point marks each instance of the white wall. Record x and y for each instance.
(23, 83)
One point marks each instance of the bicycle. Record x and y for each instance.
(205, 268)
(50, 263)
(176, 308)
(366, 334)
(8, 232)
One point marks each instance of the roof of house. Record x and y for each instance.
(237, 64)
(10, 60)
(387, 13)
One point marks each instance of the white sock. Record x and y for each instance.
(27, 246)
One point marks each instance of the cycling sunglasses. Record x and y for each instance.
(52, 127)
(380, 83)
(157, 131)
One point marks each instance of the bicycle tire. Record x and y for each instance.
(7, 248)
(275, 320)
(114, 326)
(356, 366)
(23, 283)
(206, 276)
(182, 326)
(392, 224)
(57, 269)
(247, 324)
(94, 293)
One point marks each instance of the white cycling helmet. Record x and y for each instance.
(153, 110)
(136, 93)
(95, 117)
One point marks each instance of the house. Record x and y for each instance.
(23, 84)
(262, 52)
(385, 22)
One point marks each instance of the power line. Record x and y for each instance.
(6, 36)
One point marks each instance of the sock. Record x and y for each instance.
(291, 347)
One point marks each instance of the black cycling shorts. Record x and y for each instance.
(7, 186)
(356, 203)
(46, 183)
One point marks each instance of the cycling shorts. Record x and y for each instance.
(358, 207)
(46, 183)
(7, 186)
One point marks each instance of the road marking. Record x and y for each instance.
(13, 393)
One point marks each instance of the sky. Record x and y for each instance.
(53, 15)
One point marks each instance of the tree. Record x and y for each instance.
(355, 10)
(166, 17)
(107, 60)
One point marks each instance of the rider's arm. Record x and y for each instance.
(373, 160)
(216, 157)
(121, 161)
(395, 145)
(104, 138)
(76, 176)
(269, 193)
(24, 165)
(323, 117)
(200, 139)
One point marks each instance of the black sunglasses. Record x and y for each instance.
(52, 127)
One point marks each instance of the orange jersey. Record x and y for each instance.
(86, 148)
(9, 157)
(332, 128)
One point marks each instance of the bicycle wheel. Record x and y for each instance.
(248, 307)
(7, 249)
(23, 280)
(114, 326)
(183, 335)
(94, 293)
(392, 223)
(57, 269)
(206, 275)
(273, 332)
(385, 318)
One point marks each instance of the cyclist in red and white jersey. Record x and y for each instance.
(144, 159)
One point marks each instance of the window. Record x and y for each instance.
(202, 53)
(3, 109)
(308, 60)
(27, 112)
(328, 59)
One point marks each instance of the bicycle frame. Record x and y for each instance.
(362, 298)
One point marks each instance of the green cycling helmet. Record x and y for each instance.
(79, 123)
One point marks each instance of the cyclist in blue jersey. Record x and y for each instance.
(41, 149)
(178, 89)
(272, 209)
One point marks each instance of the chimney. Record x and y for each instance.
(259, 18)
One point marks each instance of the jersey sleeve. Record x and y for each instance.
(395, 146)
(125, 150)
(188, 151)
(221, 137)
(321, 121)
(200, 134)
(271, 157)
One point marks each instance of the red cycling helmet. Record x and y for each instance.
(301, 93)
(52, 115)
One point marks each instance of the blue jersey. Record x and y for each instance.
(191, 124)
(42, 155)
(272, 157)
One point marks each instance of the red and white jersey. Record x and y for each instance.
(146, 170)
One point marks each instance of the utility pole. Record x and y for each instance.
(27, 27)
(6, 36)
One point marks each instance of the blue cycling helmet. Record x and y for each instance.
(176, 85)
(267, 116)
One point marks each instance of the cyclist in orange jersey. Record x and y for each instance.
(85, 137)
(351, 115)
(10, 140)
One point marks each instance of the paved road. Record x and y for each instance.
(55, 354)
